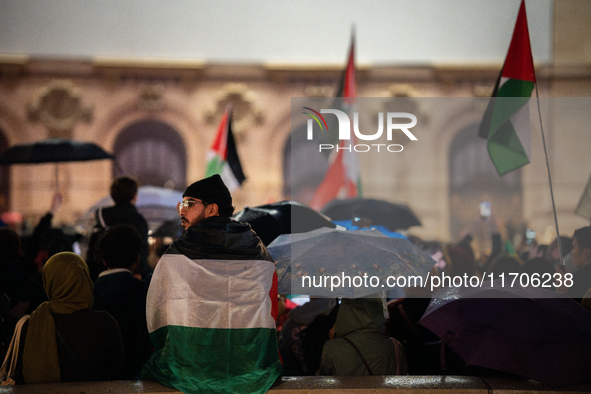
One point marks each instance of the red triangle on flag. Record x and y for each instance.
(350, 78)
(220, 143)
(222, 156)
(519, 63)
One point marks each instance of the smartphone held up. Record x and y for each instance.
(485, 210)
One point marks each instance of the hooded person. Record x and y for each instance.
(359, 346)
(212, 302)
(64, 340)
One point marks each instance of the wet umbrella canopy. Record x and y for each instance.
(54, 150)
(171, 228)
(285, 217)
(530, 332)
(374, 211)
(332, 254)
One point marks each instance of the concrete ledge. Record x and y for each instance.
(108, 387)
(324, 385)
(415, 385)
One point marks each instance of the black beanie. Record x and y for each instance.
(210, 190)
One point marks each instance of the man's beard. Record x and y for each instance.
(199, 218)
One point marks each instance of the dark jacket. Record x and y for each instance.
(125, 213)
(220, 238)
(90, 347)
(124, 297)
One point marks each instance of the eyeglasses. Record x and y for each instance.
(189, 204)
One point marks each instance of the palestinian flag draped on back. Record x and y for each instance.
(342, 178)
(506, 122)
(212, 321)
(222, 157)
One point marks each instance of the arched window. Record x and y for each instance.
(303, 166)
(472, 179)
(4, 177)
(152, 152)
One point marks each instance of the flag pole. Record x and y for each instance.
(550, 180)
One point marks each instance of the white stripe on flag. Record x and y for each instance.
(210, 293)
(229, 178)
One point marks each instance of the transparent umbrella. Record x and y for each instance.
(156, 204)
(329, 256)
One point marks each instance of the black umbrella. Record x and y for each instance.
(285, 217)
(53, 150)
(170, 228)
(378, 212)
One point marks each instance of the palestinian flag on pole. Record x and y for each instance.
(348, 85)
(212, 323)
(222, 157)
(506, 123)
(343, 176)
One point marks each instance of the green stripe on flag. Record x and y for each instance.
(206, 360)
(504, 146)
(505, 149)
(215, 166)
(516, 88)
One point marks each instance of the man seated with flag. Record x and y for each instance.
(212, 303)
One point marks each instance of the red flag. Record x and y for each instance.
(342, 177)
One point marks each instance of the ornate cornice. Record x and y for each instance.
(195, 71)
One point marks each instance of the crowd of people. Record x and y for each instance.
(208, 317)
(71, 299)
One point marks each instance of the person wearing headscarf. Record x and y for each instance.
(65, 340)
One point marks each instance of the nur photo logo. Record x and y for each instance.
(394, 121)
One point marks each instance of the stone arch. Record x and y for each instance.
(16, 129)
(472, 179)
(188, 132)
(4, 176)
(153, 152)
(301, 180)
